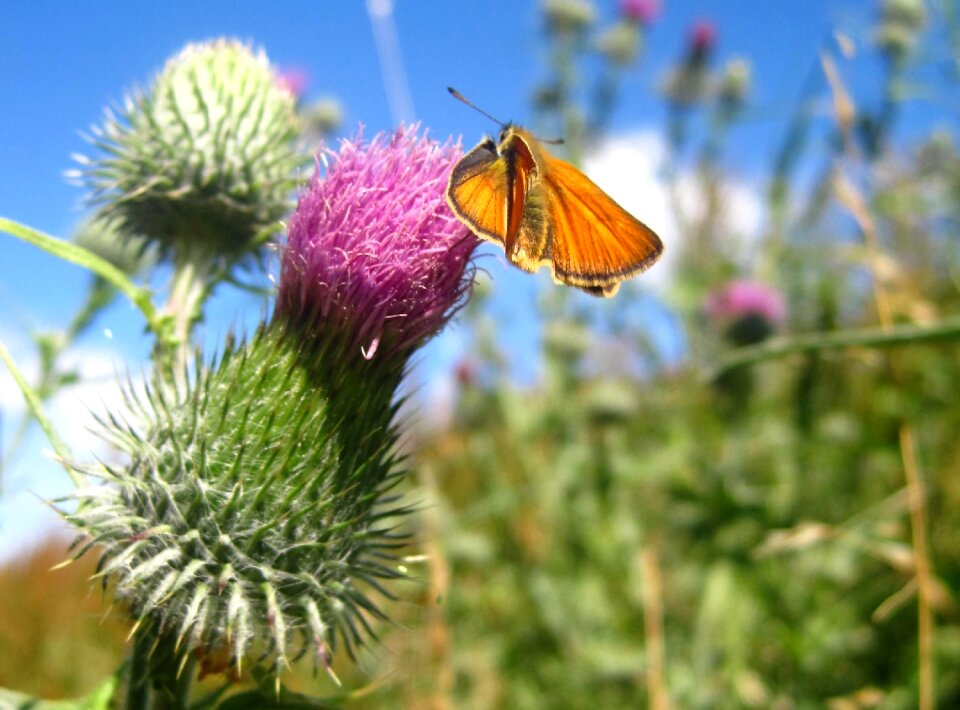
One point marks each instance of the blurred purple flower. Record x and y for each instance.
(294, 80)
(642, 11)
(738, 298)
(374, 256)
(465, 372)
(747, 311)
(703, 38)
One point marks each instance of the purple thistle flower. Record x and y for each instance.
(748, 311)
(642, 11)
(703, 38)
(374, 255)
(743, 297)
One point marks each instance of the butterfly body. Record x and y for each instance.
(545, 212)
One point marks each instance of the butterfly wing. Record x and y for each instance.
(595, 243)
(488, 190)
(477, 192)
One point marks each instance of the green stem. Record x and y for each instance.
(184, 683)
(138, 673)
(36, 407)
(188, 289)
(948, 329)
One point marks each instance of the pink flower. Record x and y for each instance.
(703, 37)
(642, 11)
(294, 81)
(374, 256)
(465, 372)
(746, 311)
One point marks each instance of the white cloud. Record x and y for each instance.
(628, 167)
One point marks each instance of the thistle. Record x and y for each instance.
(746, 312)
(203, 160)
(254, 518)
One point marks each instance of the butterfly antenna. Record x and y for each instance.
(460, 97)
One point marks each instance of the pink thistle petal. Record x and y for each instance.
(374, 254)
(741, 298)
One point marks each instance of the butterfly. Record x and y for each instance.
(545, 212)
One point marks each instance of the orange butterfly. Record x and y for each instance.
(542, 210)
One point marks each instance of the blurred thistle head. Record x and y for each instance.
(568, 16)
(375, 259)
(734, 84)
(701, 40)
(621, 43)
(747, 312)
(688, 83)
(202, 161)
(643, 12)
(899, 27)
(322, 117)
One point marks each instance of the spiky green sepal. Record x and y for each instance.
(203, 160)
(255, 513)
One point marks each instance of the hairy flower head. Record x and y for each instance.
(747, 311)
(374, 256)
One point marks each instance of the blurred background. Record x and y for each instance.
(736, 484)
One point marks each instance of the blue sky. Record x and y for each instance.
(62, 62)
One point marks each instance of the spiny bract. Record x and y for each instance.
(253, 513)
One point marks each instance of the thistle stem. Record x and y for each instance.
(188, 289)
(882, 337)
(138, 672)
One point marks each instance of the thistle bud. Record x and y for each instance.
(734, 84)
(899, 26)
(688, 83)
(621, 43)
(568, 16)
(204, 159)
(322, 117)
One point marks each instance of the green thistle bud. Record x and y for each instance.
(568, 15)
(734, 84)
(203, 160)
(251, 515)
(909, 13)
(621, 43)
(899, 27)
(323, 116)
